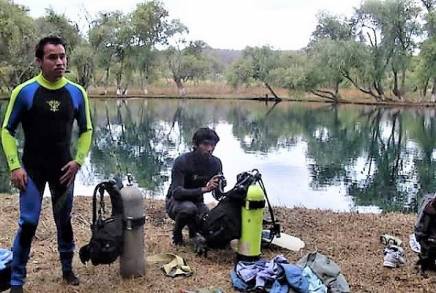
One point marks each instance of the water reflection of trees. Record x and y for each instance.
(385, 184)
(128, 138)
(392, 148)
(334, 143)
(140, 136)
(263, 129)
(383, 157)
(423, 132)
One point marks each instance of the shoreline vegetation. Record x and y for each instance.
(254, 93)
(352, 240)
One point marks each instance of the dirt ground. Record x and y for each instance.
(350, 239)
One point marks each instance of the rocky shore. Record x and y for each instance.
(352, 240)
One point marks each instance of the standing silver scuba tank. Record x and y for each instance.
(132, 259)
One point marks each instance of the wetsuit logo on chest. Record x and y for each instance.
(54, 105)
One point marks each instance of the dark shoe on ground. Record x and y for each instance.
(192, 230)
(178, 239)
(16, 289)
(70, 278)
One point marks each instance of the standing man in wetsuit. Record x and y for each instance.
(46, 106)
(193, 174)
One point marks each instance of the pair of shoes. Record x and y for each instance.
(70, 278)
(393, 256)
(16, 289)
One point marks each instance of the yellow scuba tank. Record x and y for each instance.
(249, 247)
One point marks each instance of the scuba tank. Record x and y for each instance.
(132, 259)
(249, 246)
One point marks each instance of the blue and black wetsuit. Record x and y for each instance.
(185, 202)
(46, 112)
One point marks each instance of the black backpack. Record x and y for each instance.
(223, 223)
(107, 233)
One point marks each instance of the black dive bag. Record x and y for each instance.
(107, 233)
(223, 223)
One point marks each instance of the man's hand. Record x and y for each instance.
(19, 179)
(212, 184)
(70, 171)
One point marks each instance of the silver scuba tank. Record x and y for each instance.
(132, 259)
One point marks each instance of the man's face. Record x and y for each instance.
(206, 148)
(53, 63)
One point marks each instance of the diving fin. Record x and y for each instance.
(284, 241)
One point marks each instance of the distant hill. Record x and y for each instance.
(224, 56)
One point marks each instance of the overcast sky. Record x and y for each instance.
(225, 24)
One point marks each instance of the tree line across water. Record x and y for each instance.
(386, 50)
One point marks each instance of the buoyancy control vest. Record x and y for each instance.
(106, 241)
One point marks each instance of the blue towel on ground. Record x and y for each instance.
(276, 274)
(5, 257)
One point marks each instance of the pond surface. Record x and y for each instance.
(343, 158)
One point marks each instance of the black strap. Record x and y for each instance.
(115, 197)
(131, 223)
(257, 204)
(94, 205)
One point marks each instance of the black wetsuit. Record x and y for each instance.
(185, 202)
(46, 112)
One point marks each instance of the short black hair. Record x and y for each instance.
(54, 40)
(205, 134)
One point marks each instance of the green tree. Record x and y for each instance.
(82, 59)
(401, 28)
(332, 27)
(389, 28)
(369, 27)
(151, 27)
(111, 35)
(256, 64)
(58, 24)
(427, 67)
(428, 50)
(187, 63)
(17, 41)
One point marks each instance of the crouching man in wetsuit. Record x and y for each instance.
(425, 233)
(193, 174)
(46, 106)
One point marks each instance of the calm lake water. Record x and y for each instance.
(343, 158)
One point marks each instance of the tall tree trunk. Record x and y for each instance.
(403, 83)
(395, 89)
(106, 83)
(379, 89)
(143, 83)
(425, 87)
(278, 99)
(180, 87)
(433, 91)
